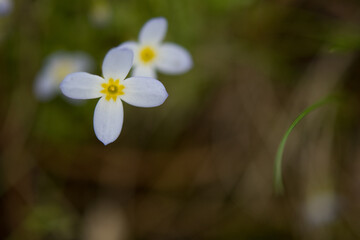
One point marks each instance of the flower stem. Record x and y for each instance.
(278, 181)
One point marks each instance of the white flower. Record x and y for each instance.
(57, 66)
(137, 91)
(321, 208)
(151, 53)
(5, 7)
(100, 13)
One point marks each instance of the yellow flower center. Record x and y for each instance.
(112, 89)
(147, 54)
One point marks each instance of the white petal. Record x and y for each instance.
(144, 92)
(153, 31)
(173, 59)
(144, 71)
(117, 63)
(46, 83)
(108, 120)
(133, 46)
(82, 86)
(82, 62)
(45, 86)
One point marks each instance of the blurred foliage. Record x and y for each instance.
(199, 166)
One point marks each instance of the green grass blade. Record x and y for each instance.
(278, 182)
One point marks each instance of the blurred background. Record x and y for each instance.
(201, 165)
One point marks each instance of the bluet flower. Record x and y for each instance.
(5, 7)
(111, 89)
(151, 54)
(100, 13)
(57, 66)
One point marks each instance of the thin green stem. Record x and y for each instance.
(279, 186)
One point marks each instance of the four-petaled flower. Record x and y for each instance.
(137, 91)
(151, 54)
(57, 66)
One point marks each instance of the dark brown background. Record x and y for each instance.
(201, 165)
